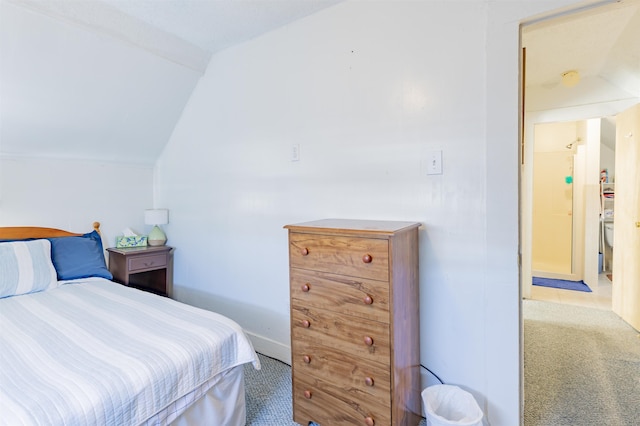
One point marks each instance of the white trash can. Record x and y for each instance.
(447, 405)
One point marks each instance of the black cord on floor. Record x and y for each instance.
(275, 359)
(433, 374)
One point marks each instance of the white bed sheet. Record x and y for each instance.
(92, 352)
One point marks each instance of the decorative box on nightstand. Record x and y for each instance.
(145, 268)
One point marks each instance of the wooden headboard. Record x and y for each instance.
(25, 232)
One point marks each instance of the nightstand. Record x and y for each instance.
(146, 268)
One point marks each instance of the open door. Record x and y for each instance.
(626, 236)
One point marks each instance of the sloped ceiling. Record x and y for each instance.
(108, 80)
(213, 25)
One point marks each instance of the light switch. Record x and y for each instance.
(434, 163)
(295, 152)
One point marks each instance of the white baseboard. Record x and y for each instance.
(270, 348)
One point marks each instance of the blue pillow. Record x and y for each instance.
(79, 257)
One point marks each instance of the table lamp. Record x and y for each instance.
(156, 217)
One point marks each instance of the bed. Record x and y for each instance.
(78, 349)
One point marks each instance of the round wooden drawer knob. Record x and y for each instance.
(304, 251)
(367, 258)
(306, 359)
(368, 341)
(307, 394)
(306, 324)
(368, 381)
(305, 287)
(369, 421)
(368, 300)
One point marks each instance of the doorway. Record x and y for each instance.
(574, 63)
(587, 46)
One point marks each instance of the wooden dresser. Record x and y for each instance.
(355, 337)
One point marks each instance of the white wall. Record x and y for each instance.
(592, 201)
(367, 89)
(607, 161)
(608, 146)
(74, 91)
(84, 115)
(72, 194)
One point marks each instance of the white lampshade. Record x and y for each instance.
(156, 217)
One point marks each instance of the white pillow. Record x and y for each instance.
(26, 267)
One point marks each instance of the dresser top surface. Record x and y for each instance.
(353, 226)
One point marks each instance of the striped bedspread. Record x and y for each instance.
(93, 352)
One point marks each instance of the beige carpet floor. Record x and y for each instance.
(581, 365)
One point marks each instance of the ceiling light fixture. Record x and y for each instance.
(570, 78)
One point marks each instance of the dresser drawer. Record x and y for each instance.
(351, 256)
(345, 372)
(362, 339)
(359, 297)
(147, 262)
(320, 401)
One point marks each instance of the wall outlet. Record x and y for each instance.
(295, 152)
(434, 163)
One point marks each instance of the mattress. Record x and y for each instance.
(92, 352)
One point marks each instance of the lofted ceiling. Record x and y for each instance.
(108, 79)
(213, 25)
(184, 31)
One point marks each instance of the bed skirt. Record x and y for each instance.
(219, 401)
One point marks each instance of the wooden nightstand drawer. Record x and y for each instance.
(351, 256)
(350, 295)
(147, 262)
